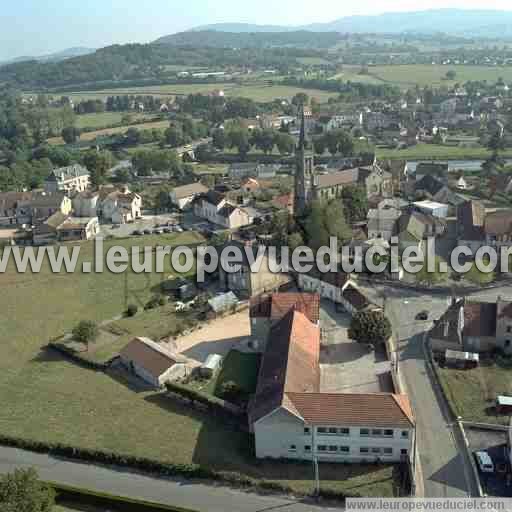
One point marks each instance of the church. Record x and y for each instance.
(311, 185)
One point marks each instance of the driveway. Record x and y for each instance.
(146, 222)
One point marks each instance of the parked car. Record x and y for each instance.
(179, 229)
(157, 231)
(147, 231)
(137, 232)
(423, 315)
(167, 230)
(484, 461)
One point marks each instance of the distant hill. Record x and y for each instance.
(465, 22)
(53, 57)
(219, 39)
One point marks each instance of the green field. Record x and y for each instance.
(472, 393)
(424, 74)
(47, 398)
(254, 91)
(104, 119)
(437, 152)
(89, 136)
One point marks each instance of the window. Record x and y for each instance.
(388, 433)
(388, 451)
(321, 430)
(404, 451)
(333, 431)
(364, 432)
(333, 448)
(375, 450)
(293, 448)
(345, 431)
(376, 432)
(405, 434)
(509, 328)
(363, 450)
(307, 448)
(321, 448)
(345, 449)
(306, 430)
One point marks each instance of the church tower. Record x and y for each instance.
(304, 169)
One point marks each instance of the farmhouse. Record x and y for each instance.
(151, 362)
(214, 207)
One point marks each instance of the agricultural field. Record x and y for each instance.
(436, 152)
(47, 398)
(103, 119)
(89, 136)
(257, 92)
(432, 75)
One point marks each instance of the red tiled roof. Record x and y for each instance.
(154, 361)
(277, 305)
(373, 410)
(290, 363)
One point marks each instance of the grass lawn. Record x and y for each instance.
(427, 74)
(45, 397)
(472, 393)
(89, 136)
(210, 169)
(436, 152)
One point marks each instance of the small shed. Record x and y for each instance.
(433, 208)
(504, 404)
(223, 302)
(212, 364)
(460, 359)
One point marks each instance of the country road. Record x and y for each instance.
(192, 496)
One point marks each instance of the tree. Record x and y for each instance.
(326, 220)
(355, 202)
(284, 143)
(85, 332)
(371, 327)
(476, 276)
(300, 98)
(451, 75)
(174, 136)
(230, 390)
(295, 240)
(219, 139)
(70, 134)
(21, 491)
(431, 278)
(98, 163)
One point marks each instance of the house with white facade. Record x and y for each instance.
(183, 196)
(120, 206)
(215, 208)
(292, 419)
(74, 178)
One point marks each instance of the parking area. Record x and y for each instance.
(499, 482)
(347, 366)
(146, 222)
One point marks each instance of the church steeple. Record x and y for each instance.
(304, 163)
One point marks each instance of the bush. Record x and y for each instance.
(85, 332)
(231, 391)
(132, 310)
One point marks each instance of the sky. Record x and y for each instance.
(39, 27)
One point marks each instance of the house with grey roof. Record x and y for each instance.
(74, 178)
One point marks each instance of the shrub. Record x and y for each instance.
(85, 332)
(132, 310)
(231, 390)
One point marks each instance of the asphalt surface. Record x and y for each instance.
(444, 464)
(183, 494)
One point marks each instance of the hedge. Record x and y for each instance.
(212, 403)
(76, 357)
(167, 469)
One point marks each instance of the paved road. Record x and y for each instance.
(197, 497)
(445, 469)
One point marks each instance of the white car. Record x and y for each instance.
(484, 462)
